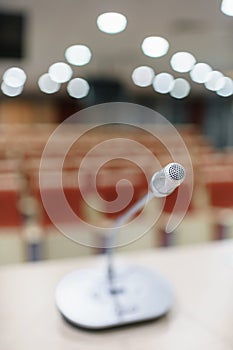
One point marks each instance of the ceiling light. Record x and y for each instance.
(112, 22)
(60, 72)
(163, 83)
(182, 62)
(214, 81)
(155, 46)
(78, 55)
(11, 91)
(180, 89)
(142, 76)
(47, 85)
(227, 7)
(14, 77)
(78, 88)
(199, 73)
(227, 89)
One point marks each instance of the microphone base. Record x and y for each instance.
(87, 299)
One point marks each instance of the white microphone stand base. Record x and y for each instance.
(87, 299)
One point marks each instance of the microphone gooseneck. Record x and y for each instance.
(163, 183)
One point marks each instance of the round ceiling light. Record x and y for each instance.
(143, 76)
(78, 55)
(47, 85)
(155, 46)
(14, 77)
(214, 81)
(227, 89)
(78, 88)
(180, 89)
(11, 91)
(182, 62)
(60, 72)
(163, 83)
(111, 22)
(227, 7)
(199, 73)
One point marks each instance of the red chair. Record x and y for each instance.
(221, 194)
(219, 184)
(52, 192)
(9, 198)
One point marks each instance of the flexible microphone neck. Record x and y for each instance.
(163, 183)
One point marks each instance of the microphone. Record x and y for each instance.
(165, 181)
(94, 299)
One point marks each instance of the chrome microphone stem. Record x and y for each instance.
(163, 183)
(123, 219)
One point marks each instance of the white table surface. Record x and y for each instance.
(201, 318)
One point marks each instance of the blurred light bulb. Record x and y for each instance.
(47, 85)
(111, 22)
(60, 72)
(14, 77)
(180, 89)
(155, 46)
(11, 91)
(163, 83)
(78, 88)
(78, 55)
(142, 76)
(199, 73)
(214, 81)
(227, 7)
(227, 89)
(182, 62)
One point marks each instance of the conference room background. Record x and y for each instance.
(35, 36)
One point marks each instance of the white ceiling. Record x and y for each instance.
(196, 26)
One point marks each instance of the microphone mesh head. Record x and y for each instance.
(176, 172)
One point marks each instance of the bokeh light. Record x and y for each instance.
(199, 73)
(163, 83)
(227, 88)
(111, 22)
(227, 7)
(155, 46)
(60, 72)
(14, 77)
(181, 88)
(78, 55)
(78, 88)
(182, 62)
(143, 76)
(47, 85)
(214, 81)
(11, 91)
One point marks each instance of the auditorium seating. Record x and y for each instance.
(21, 148)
